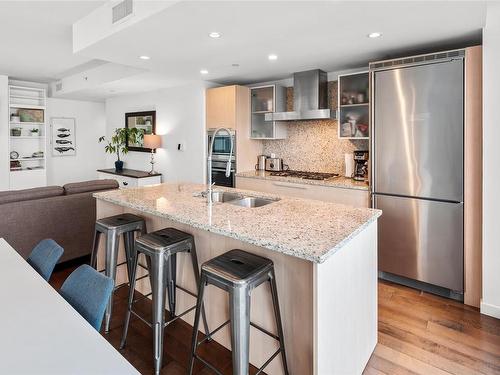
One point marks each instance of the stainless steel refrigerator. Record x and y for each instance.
(417, 169)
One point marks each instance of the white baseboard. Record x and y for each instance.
(490, 310)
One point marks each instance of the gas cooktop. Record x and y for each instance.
(305, 175)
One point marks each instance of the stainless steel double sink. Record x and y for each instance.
(240, 199)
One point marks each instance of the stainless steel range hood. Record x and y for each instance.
(310, 98)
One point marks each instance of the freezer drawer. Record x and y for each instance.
(422, 240)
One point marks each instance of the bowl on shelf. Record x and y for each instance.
(38, 154)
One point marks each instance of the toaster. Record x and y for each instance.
(275, 165)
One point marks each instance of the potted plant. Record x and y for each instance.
(34, 132)
(118, 143)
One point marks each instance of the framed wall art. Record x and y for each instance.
(145, 121)
(63, 140)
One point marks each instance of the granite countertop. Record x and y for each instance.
(307, 229)
(337, 182)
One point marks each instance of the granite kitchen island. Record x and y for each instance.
(325, 257)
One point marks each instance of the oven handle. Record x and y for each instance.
(222, 170)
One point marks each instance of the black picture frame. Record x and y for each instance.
(149, 129)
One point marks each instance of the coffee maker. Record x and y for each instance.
(360, 166)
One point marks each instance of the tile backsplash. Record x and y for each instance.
(314, 145)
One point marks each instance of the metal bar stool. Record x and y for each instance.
(112, 227)
(161, 249)
(238, 273)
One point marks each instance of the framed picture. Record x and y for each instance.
(30, 115)
(63, 139)
(145, 121)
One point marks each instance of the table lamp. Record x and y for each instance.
(153, 142)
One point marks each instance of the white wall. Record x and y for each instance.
(180, 118)
(4, 133)
(490, 304)
(90, 125)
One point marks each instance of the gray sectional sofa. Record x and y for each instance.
(66, 214)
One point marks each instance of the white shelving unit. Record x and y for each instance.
(27, 111)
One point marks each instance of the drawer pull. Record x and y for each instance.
(290, 186)
(125, 183)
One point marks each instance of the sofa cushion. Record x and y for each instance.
(30, 194)
(88, 186)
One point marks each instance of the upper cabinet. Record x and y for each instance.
(224, 105)
(267, 99)
(229, 107)
(354, 106)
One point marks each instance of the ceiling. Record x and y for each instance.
(330, 35)
(36, 38)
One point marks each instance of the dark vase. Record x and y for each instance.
(118, 165)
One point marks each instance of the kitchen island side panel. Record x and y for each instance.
(294, 278)
(345, 306)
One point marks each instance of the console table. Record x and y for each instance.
(130, 177)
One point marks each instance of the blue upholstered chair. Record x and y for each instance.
(44, 257)
(88, 291)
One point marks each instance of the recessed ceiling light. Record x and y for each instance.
(374, 35)
(215, 35)
(204, 71)
(272, 57)
(144, 57)
(235, 65)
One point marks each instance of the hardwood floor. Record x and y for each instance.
(419, 333)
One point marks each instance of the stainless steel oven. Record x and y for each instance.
(220, 156)
(222, 144)
(219, 173)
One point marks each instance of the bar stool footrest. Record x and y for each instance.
(210, 334)
(261, 369)
(268, 361)
(141, 318)
(209, 365)
(265, 331)
(170, 321)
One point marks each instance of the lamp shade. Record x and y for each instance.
(152, 141)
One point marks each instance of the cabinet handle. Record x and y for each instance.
(290, 186)
(125, 183)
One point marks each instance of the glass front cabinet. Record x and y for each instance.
(267, 99)
(354, 106)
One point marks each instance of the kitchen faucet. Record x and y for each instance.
(209, 159)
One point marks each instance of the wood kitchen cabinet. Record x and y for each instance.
(350, 197)
(227, 106)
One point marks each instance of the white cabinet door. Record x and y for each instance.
(124, 182)
(128, 182)
(149, 180)
(351, 197)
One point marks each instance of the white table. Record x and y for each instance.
(40, 333)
